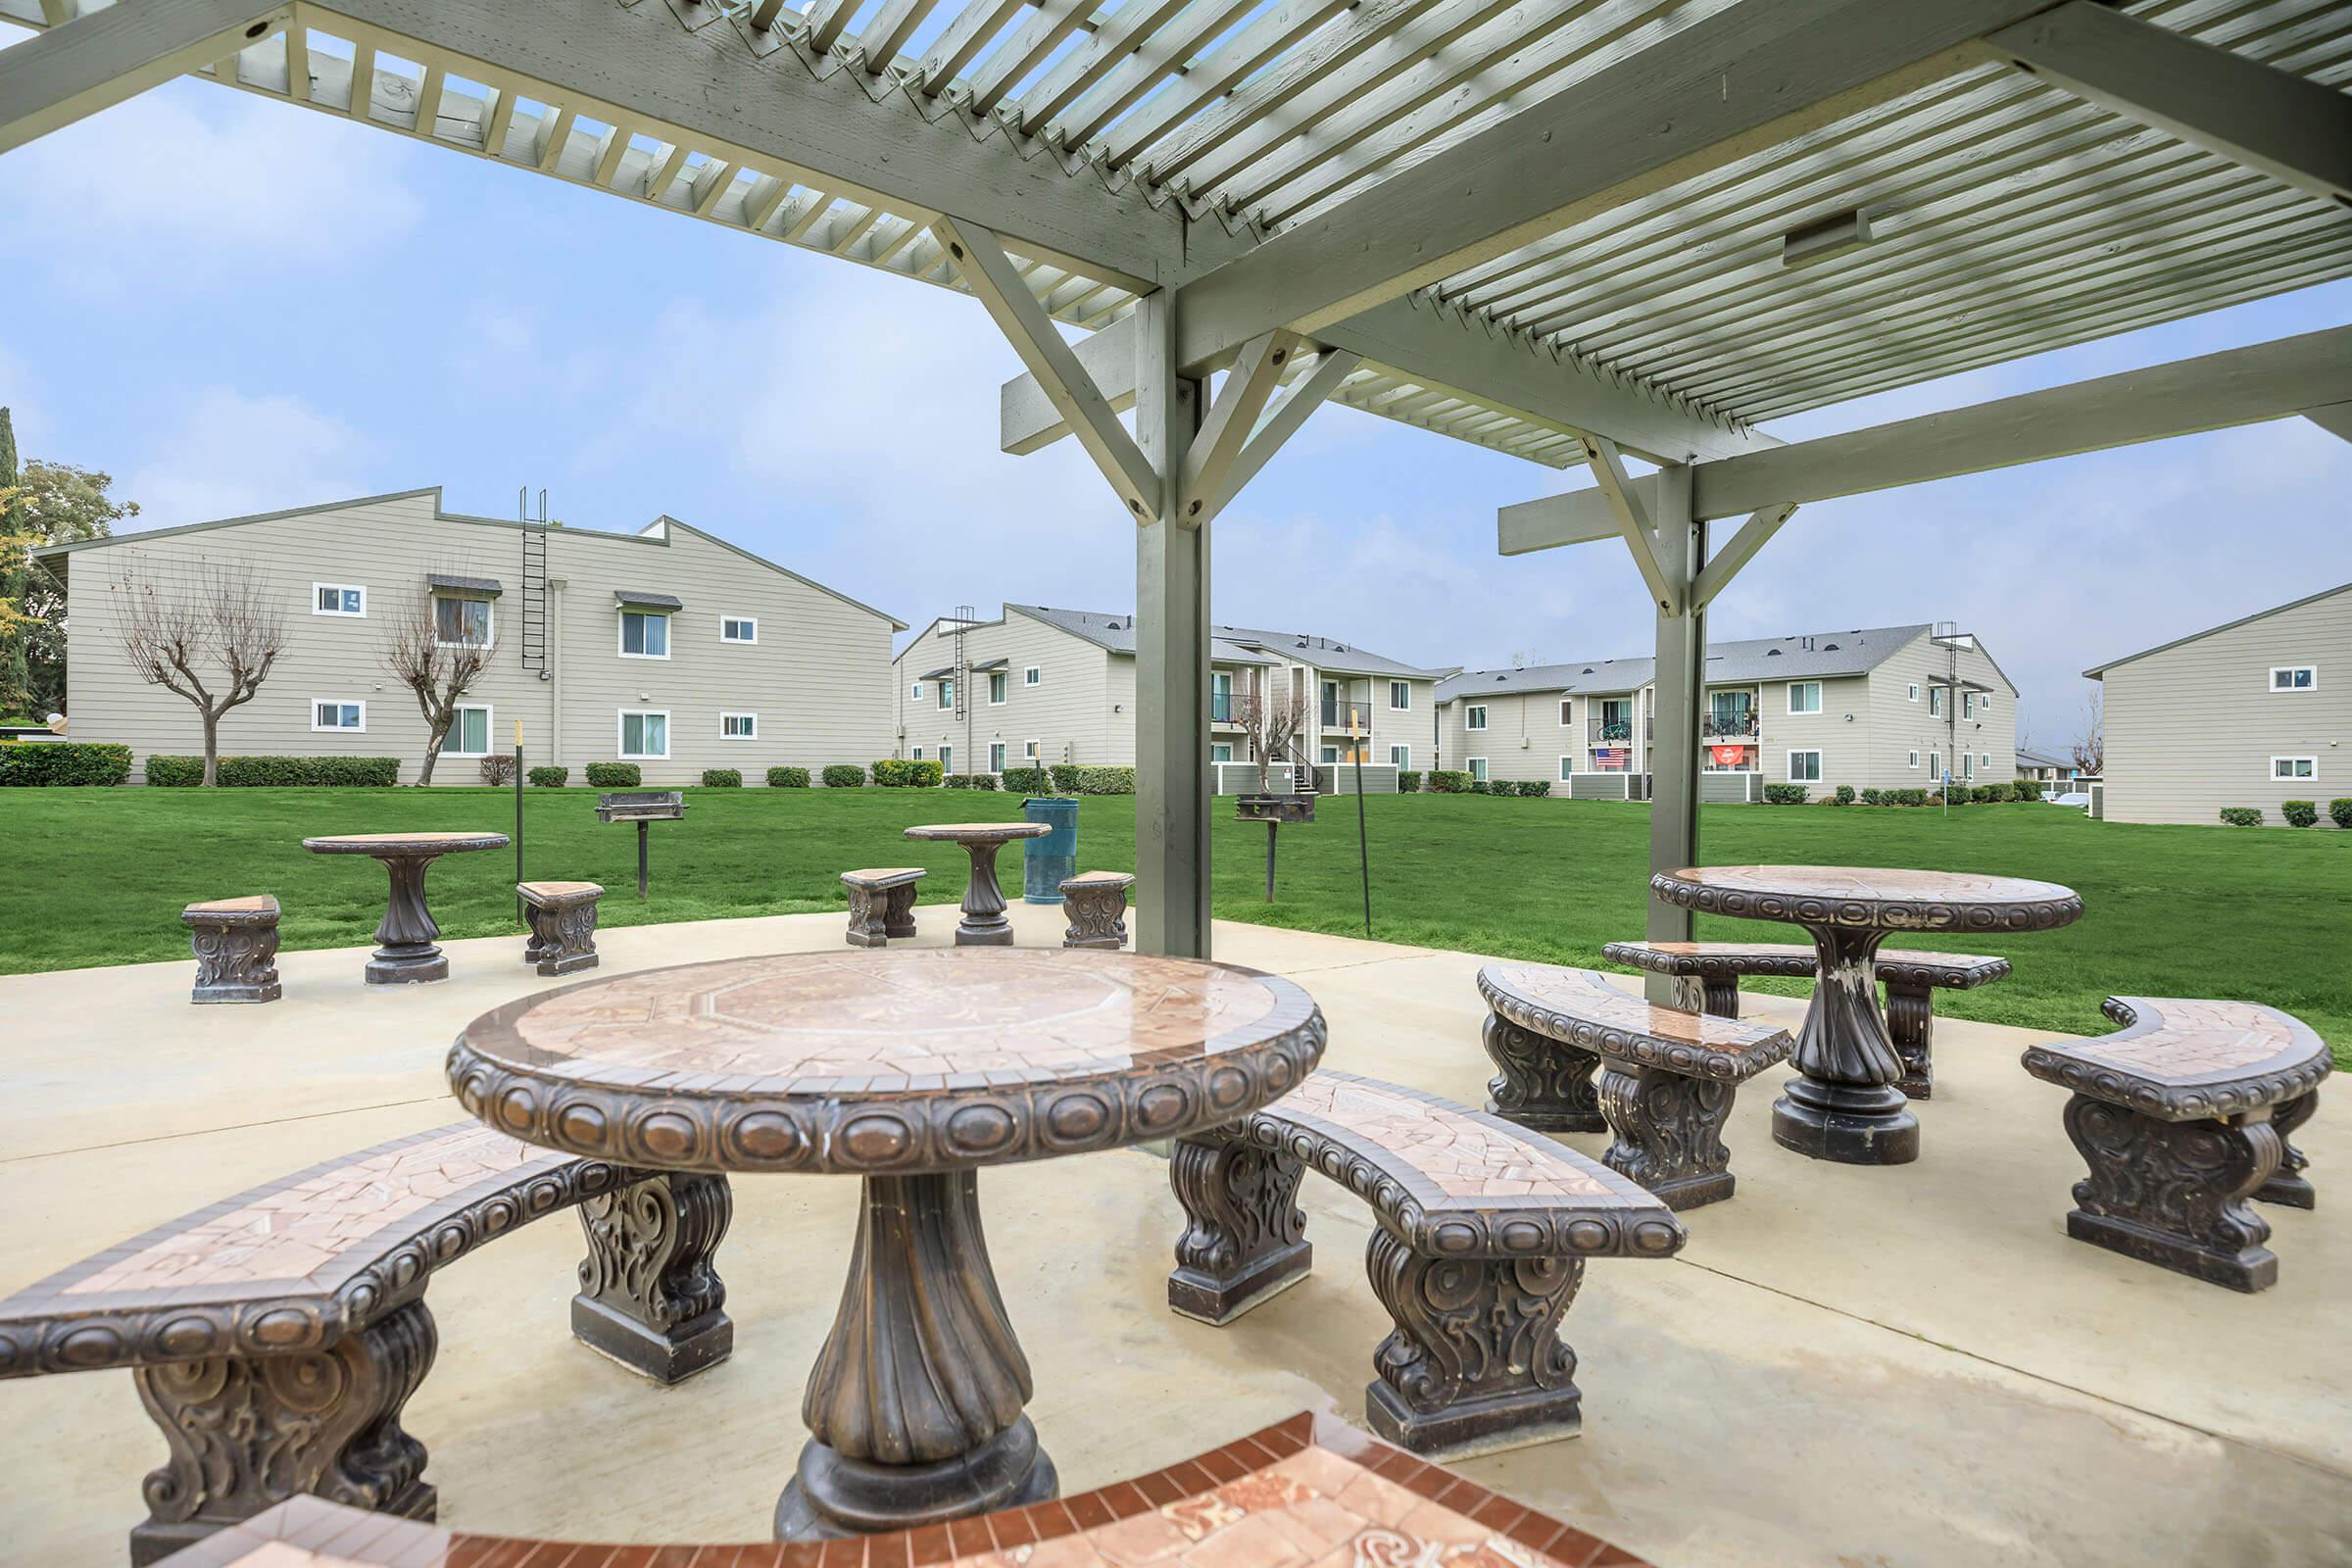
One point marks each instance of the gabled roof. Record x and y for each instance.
(2030, 758)
(1231, 645)
(1812, 657)
(2098, 672)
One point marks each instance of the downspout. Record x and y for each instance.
(555, 671)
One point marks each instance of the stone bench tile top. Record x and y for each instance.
(1460, 1183)
(259, 904)
(294, 1265)
(2180, 1059)
(884, 875)
(1581, 1008)
(558, 890)
(1099, 878)
(1308, 1491)
(1958, 972)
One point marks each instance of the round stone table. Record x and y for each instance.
(1843, 1104)
(404, 953)
(983, 924)
(909, 1068)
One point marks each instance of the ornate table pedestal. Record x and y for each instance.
(914, 1405)
(1845, 1102)
(984, 924)
(405, 952)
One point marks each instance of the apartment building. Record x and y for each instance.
(2253, 712)
(1885, 707)
(1043, 686)
(669, 647)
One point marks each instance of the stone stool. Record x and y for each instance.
(1097, 905)
(236, 949)
(563, 917)
(881, 903)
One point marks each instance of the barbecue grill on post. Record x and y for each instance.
(641, 807)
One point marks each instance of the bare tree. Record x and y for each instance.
(2091, 751)
(439, 661)
(219, 627)
(1272, 723)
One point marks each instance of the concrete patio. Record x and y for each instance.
(1847, 1365)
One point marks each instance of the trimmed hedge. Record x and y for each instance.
(1785, 794)
(1912, 796)
(1066, 778)
(1449, 782)
(787, 779)
(2242, 815)
(1874, 797)
(890, 772)
(1106, 781)
(972, 781)
(174, 772)
(722, 778)
(277, 772)
(847, 776)
(1027, 780)
(549, 778)
(614, 775)
(1408, 782)
(929, 773)
(2339, 810)
(1845, 795)
(1533, 788)
(2299, 814)
(1993, 794)
(2027, 789)
(28, 765)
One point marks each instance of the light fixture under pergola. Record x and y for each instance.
(1576, 231)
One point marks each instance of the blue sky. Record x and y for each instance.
(237, 306)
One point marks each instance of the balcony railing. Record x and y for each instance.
(1728, 726)
(1609, 732)
(1353, 716)
(1220, 708)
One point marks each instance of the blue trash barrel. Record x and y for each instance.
(1051, 859)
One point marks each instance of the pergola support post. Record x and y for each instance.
(1679, 542)
(1171, 657)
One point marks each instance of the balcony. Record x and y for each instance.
(1613, 731)
(1353, 717)
(1741, 727)
(1221, 708)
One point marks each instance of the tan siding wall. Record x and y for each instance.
(2193, 728)
(1067, 712)
(1901, 724)
(815, 678)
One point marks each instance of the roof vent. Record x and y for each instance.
(1587, 670)
(1772, 652)
(1829, 647)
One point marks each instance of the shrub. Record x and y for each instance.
(1027, 780)
(1106, 781)
(890, 773)
(722, 778)
(51, 764)
(972, 781)
(1449, 782)
(2339, 810)
(2242, 815)
(928, 774)
(2299, 814)
(1992, 793)
(2027, 789)
(1949, 794)
(1873, 798)
(1912, 796)
(549, 778)
(1534, 787)
(498, 769)
(614, 775)
(1408, 782)
(1845, 795)
(174, 772)
(844, 776)
(787, 779)
(1066, 778)
(1785, 794)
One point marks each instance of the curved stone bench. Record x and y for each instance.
(294, 1314)
(2182, 1117)
(1667, 1076)
(1306, 1491)
(1707, 977)
(1481, 1244)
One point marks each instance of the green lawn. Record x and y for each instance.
(98, 876)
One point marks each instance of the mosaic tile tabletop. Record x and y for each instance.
(1873, 884)
(1696, 954)
(1588, 996)
(376, 842)
(884, 1022)
(1306, 1493)
(961, 831)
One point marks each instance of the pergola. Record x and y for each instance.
(1576, 232)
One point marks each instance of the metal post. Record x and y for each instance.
(518, 920)
(642, 825)
(1681, 674)
(1363, 852)
(1271, 825)
(1171, 649)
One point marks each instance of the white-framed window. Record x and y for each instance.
(1331, 753)
(915, 691)
(1220, 697)
(2294, 767)
(739, 727)
(2294, 677)
(1804, 697)
(996, 690)
(738, 628)
(468, 733)
(1221, 750)
(338, 598)
(1565, 720)
(1968, 766)
(1033, 675)
(1029, 753)
(1567, 769)
(918, 754)
(1911, 692)
(1914, 759)
(1804, 767)
(1400, 756)
(1935, 702)
(644, 734)
(1985, 760)
(643, 634)
(462, 622)
(995, 756)
(946, 758)
(1401, 694)
(335, 713)
(1478, 768)
(1936, 766)
(1475, 717)
(947, 693)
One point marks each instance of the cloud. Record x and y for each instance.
(229, 454)
(220, 183)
